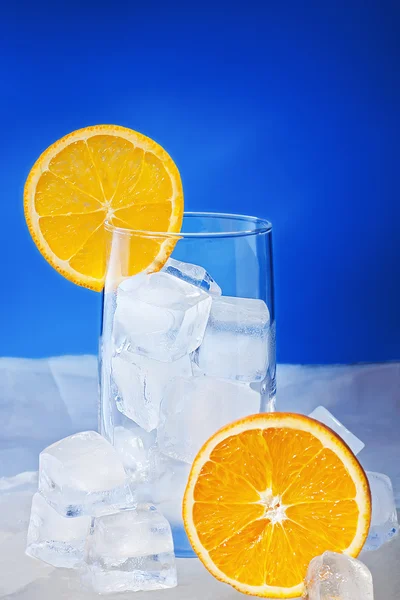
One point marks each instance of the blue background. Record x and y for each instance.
(285, 110)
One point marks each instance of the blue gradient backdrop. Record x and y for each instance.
(286, 110)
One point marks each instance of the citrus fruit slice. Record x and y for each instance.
(268, 493)
(100, 173)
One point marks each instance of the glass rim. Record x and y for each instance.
(262, 226)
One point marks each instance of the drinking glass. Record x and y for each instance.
(187, 346)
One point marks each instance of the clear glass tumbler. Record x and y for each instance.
(185, 349)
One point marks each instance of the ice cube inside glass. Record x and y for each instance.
(194, 408)
(141, 383)
(194, 274)
(133, 445)
(160, 316)
(235, 343)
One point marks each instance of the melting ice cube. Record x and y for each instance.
(384, 524)
(131, 550)
(338, 576)
(56, 540)
(83, 475)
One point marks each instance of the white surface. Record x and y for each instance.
(323, 415)
(56, 397)
(24, 578)
(366, 399)
(29, 398)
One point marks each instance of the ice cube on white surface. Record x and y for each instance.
(83, 475)
(193, 408)
(384, 523)
(333, 576)
(141, 382)
(56, 540)
(160, 316)
(235, 343)
(133, 445)
(131, 550)
(325, 417)
(194, 274)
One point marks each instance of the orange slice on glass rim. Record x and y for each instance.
(99, 173)
(268, 493)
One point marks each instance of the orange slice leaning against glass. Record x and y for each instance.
(100, 173)
(268, 493)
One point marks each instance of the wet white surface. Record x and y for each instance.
(23, 578)
(365, 398)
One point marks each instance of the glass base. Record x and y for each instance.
(182, 547)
